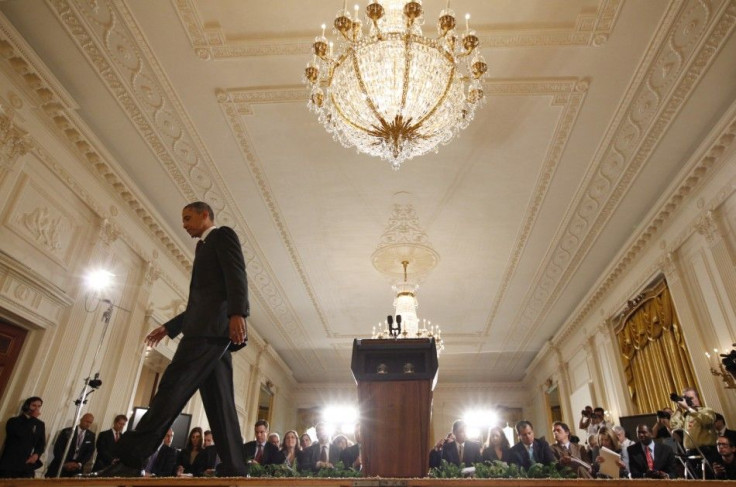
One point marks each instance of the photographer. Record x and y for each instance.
(592, 420)
(697, 423)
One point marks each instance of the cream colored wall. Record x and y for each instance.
(65, 207)
(690, 238)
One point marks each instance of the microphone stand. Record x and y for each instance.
(700, 452)
(90, 386)
(682, 458)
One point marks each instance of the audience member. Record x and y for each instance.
(568, 452)
(696, 422)
(350, 456)
(80, 451)
(106, 442)
(274, 439)
(321, 454)
(456, 448)
(719, 425)
(25, 441)
(191, 462)
(290, 449)
(497, 447)
(209, 455)
(305, 441)
(529, 449)
(607, 439)
(662, 428)
(259, 450)
(725, 465)
(623, 441)
(163, 461)
(650, 459)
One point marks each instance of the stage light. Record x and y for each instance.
(340, 419)
(477, 422)
(99, 280)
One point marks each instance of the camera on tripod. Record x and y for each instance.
(663, 415)
(729, 361)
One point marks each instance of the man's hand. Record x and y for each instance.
(32, 459)
(71, 466)
(238, 330)
(156, 336)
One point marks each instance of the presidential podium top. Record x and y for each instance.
(394, 359)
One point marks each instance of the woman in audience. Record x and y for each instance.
(608, 439)
(340, 442)
(290, 448)
(190, 462)
(497, 447)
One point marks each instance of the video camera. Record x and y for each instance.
(678, 398)
(729, 361)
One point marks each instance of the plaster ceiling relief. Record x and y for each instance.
(525, 210)
(213, 34)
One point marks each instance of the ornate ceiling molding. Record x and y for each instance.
(587, 29)
(570, 95)
(707, 163)
(19, 62)
(689, 38)
(108, 35)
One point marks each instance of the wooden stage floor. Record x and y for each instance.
(350, 482)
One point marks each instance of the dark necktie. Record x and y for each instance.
(323, 454)
(650, 460)
(259, 453)
(199, 246)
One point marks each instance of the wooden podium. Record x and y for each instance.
(395, 383)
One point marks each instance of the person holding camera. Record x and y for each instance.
(456, 448)
(662, 428)
(25, 441)
(648, 459)
(592, 420)
(696, 422)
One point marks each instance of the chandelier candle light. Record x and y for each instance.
(390, 91)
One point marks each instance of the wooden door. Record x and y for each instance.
(11, 343)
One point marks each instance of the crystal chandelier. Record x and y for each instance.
(390, 91)
(405, 308)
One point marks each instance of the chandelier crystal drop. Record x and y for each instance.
(390, 91)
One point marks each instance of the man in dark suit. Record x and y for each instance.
(322, 454)
(163, 461)
(725, 466)
(260, 450)
(106, 442)
(648, 459)
(530, 449)
(719, 425)
(80, 450)
(25, 441)
(456, 448)
(212, 325)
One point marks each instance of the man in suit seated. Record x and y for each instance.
(322, 454)
(566, 451)
(261, 451)
(456, 448)
(648, 459)
(80, 450)
(163, 461)
(106, 442)
(530, 449)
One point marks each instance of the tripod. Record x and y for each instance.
(91, 384)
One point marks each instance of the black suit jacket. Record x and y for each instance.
(23, 437)
(471, 454)
(271, 454)
(82, 456)
(105, 445)
(165, 463)
(217, 290)
(311, 456)
(664, 460)
(349, 455)
(541, 451)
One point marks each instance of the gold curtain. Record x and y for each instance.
(655, 358)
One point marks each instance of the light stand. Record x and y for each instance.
(91, 384)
